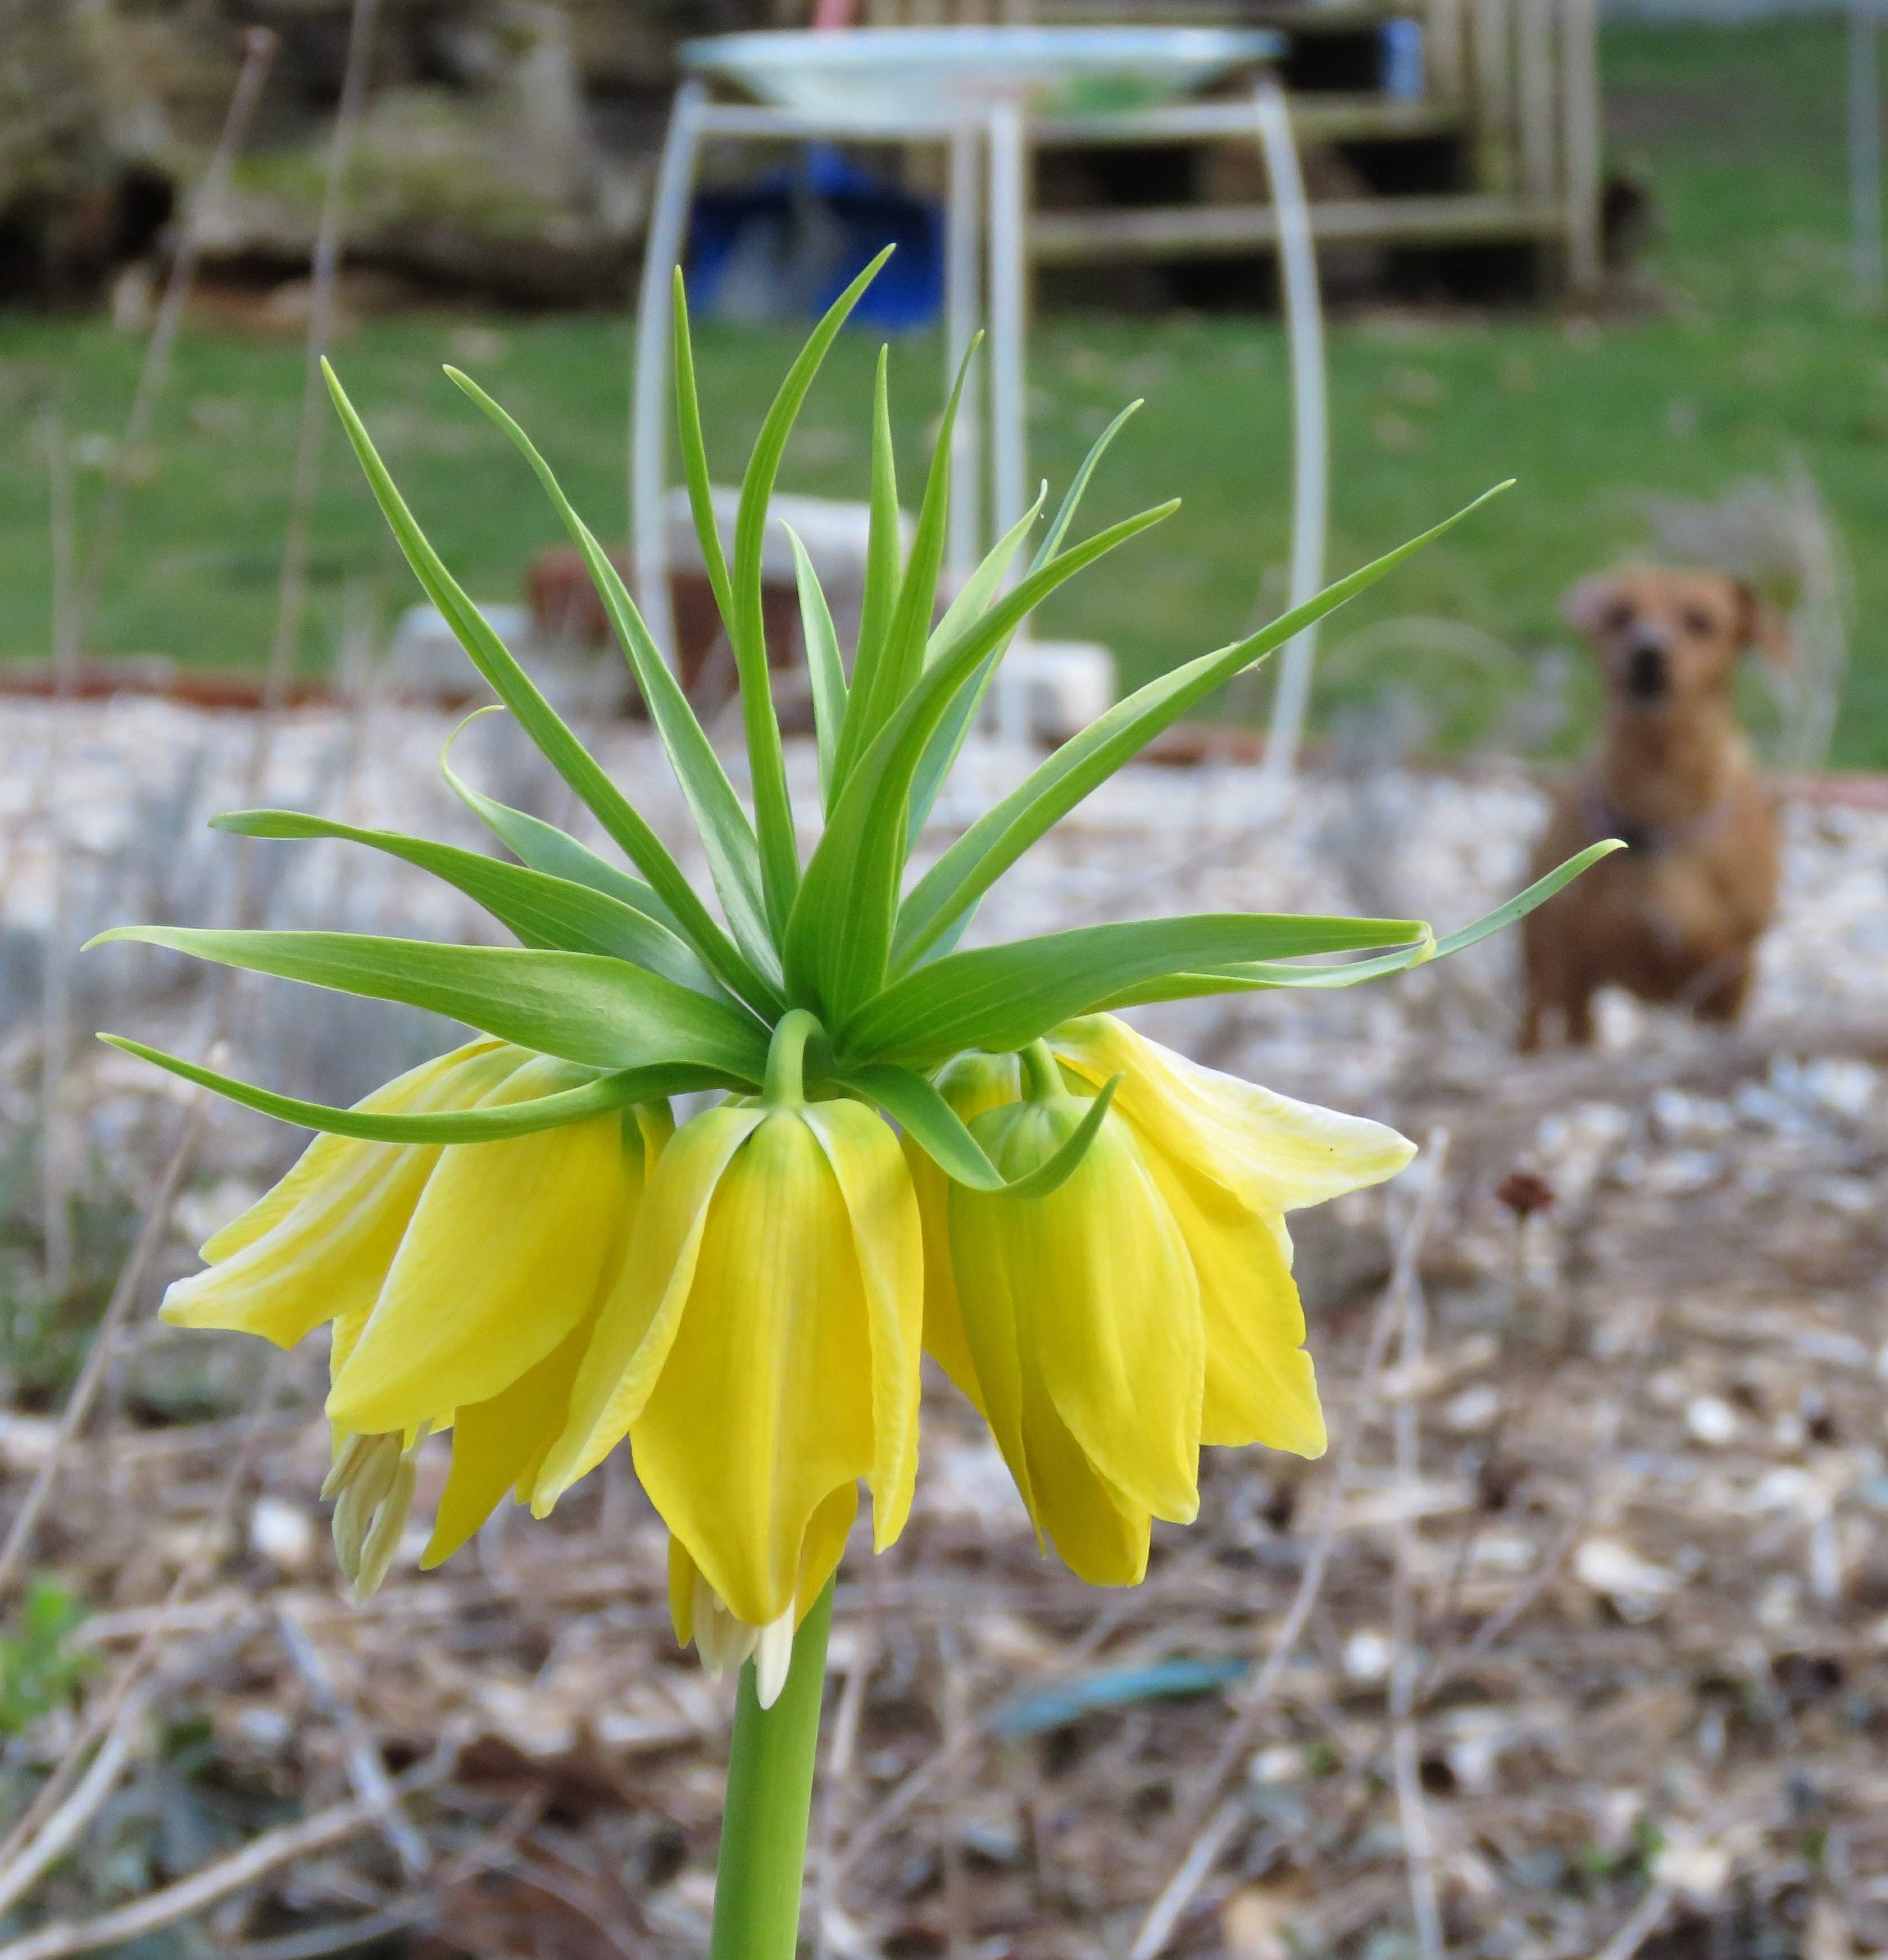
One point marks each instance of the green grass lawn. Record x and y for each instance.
(1761, 357)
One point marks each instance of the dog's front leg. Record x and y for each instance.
(1718, 994)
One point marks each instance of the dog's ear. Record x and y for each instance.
(1584, 606)
(1764, 626)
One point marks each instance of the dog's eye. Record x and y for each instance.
(1617, 617)
(1699, 625)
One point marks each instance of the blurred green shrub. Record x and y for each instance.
(40, 1669)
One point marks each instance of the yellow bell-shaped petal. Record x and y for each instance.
(318, 1246)
(636, 1326)
(1081, 1315)
(499, 1441)
(1273, 1154)
(1231, 1158)
(970, 1083)
(501, 1259)
(760, 1350)
(498, 1444)
(701, 1616)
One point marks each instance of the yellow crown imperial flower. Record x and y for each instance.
(761, 1352)
(440, 1321)
(1166, 1252)
(511, 1244)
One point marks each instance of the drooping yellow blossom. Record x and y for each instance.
(760, 1349)
(1081, 1319)
(1231, 1158)
(1147, 1305)
(461, 1280)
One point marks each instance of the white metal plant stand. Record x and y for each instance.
(984, 95)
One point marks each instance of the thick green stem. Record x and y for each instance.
(1042, 1074)
(763, 1866)
(784, 1088)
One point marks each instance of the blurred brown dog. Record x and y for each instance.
(1674, 918)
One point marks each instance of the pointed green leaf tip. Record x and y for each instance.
(632, 981)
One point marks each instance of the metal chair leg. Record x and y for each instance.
(648, 422)
(1310, 436)
(962, 226)
(1009, 402)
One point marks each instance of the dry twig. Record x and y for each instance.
(67, 1824)
(1645, 1919)
(1418, 1847)
(203, 1888)
(258, 45)
(365, 1770)
(151, 1237)
(100, 1719)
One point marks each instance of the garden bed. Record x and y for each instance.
(1596, 1642)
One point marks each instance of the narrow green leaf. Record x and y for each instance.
(1253, 977)
(884, 552)
(838, 937)
(912, 1102)
(902, 659)
(596, 1097)
(1004, 996)
(545, 847)
(543, 911)
(1525, 901)
(1079, 485)
(572, 761)
(695, 461)
(945, 745)
(773, 809)
(601, 1013)
(825, 669)
(974, 600)
(1046, 1177)
(999, 838)
(727, 834)
(970, 605)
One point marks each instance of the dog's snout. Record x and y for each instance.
(1646, 675)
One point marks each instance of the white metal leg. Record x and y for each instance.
(962, 230)
(1008, 399)
(648, 411)
(1579, 68)
(1310, 437)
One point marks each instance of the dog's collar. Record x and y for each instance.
(1603, 818)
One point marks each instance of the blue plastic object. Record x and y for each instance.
(786, 245)
(1056, 1707)
(1399, 59)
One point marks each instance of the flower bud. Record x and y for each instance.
(372, 1479)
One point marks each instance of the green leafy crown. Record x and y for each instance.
(634, 983)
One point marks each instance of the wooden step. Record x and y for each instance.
(1311, 16)
(1317, 117)
(1058, 237)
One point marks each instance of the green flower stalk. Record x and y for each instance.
(915, 1145)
